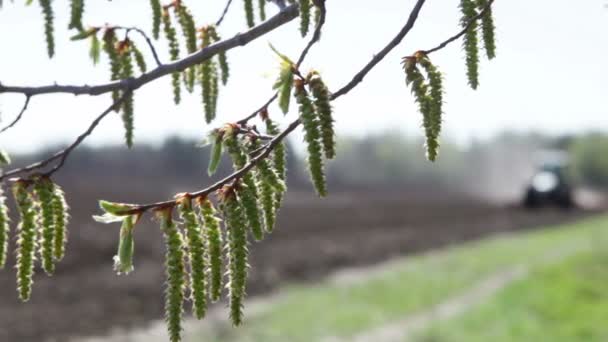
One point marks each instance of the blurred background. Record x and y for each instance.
(502, 238)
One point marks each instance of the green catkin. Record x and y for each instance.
(207, 90)
(487, 29)
(156, 14)
(139, 58)
(311, 136)
(76, 11)
(222, 59)
(421, 92)
(216, 152)
(305, 6)
(249, 12)
(213, 237)
(176, 275)
(262, 8)
(196, 255)
(279, 158)
(322, 104)
(436, 93)
(264, 168)
(269, 206)
(237, 253)
(47, 11)
(186, 21)
(4, 229)
(127, 104)
(470, 42)
(215, 89)
(109, 47)
(123, 260)
(269, 183)
(206, 74)
(171, 37)
(26, 239)
(188, 27)
(95, 49)
(43, 189)
(249, 194)
(60, 212)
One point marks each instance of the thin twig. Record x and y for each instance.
(226, 8)
(241, 39)
(380, 55)
(23, 109)
(63, 154)
(148, 41)
(463, 31)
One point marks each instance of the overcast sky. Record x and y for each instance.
(551, 73)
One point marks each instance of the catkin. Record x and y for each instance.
(487, 29)
(264, 168)
(249, 193)
(470, 42)
(156, 14)
(322, 104)
(207, 77)
(47, 11)
(237, 253)
(171, 37)
(215, 88)
(109, 46)
(436, 94)
(188, 27)
(60, 212)
(311, 136)
(196, 255)
(222, 59)
(279, 159)
(76, 11)
(138, 57)
(127, 104)
(26, 239)
(305, 6)
(43, 189)
(269, 183)
(123, 260)
(248, 4)
(176, 275)
(4, 229)
(416, 80)
(262, 8)
(213, 237)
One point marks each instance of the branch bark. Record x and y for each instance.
(241, 39)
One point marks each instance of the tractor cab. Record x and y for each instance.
(550, 185)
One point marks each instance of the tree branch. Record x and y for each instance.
(380, 56)
(462, 32)
(241, 39)
(148, 41)
(63, 154)
(23, 109)
(226, 8)
(267, 149)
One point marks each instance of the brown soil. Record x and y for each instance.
(313, 237)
